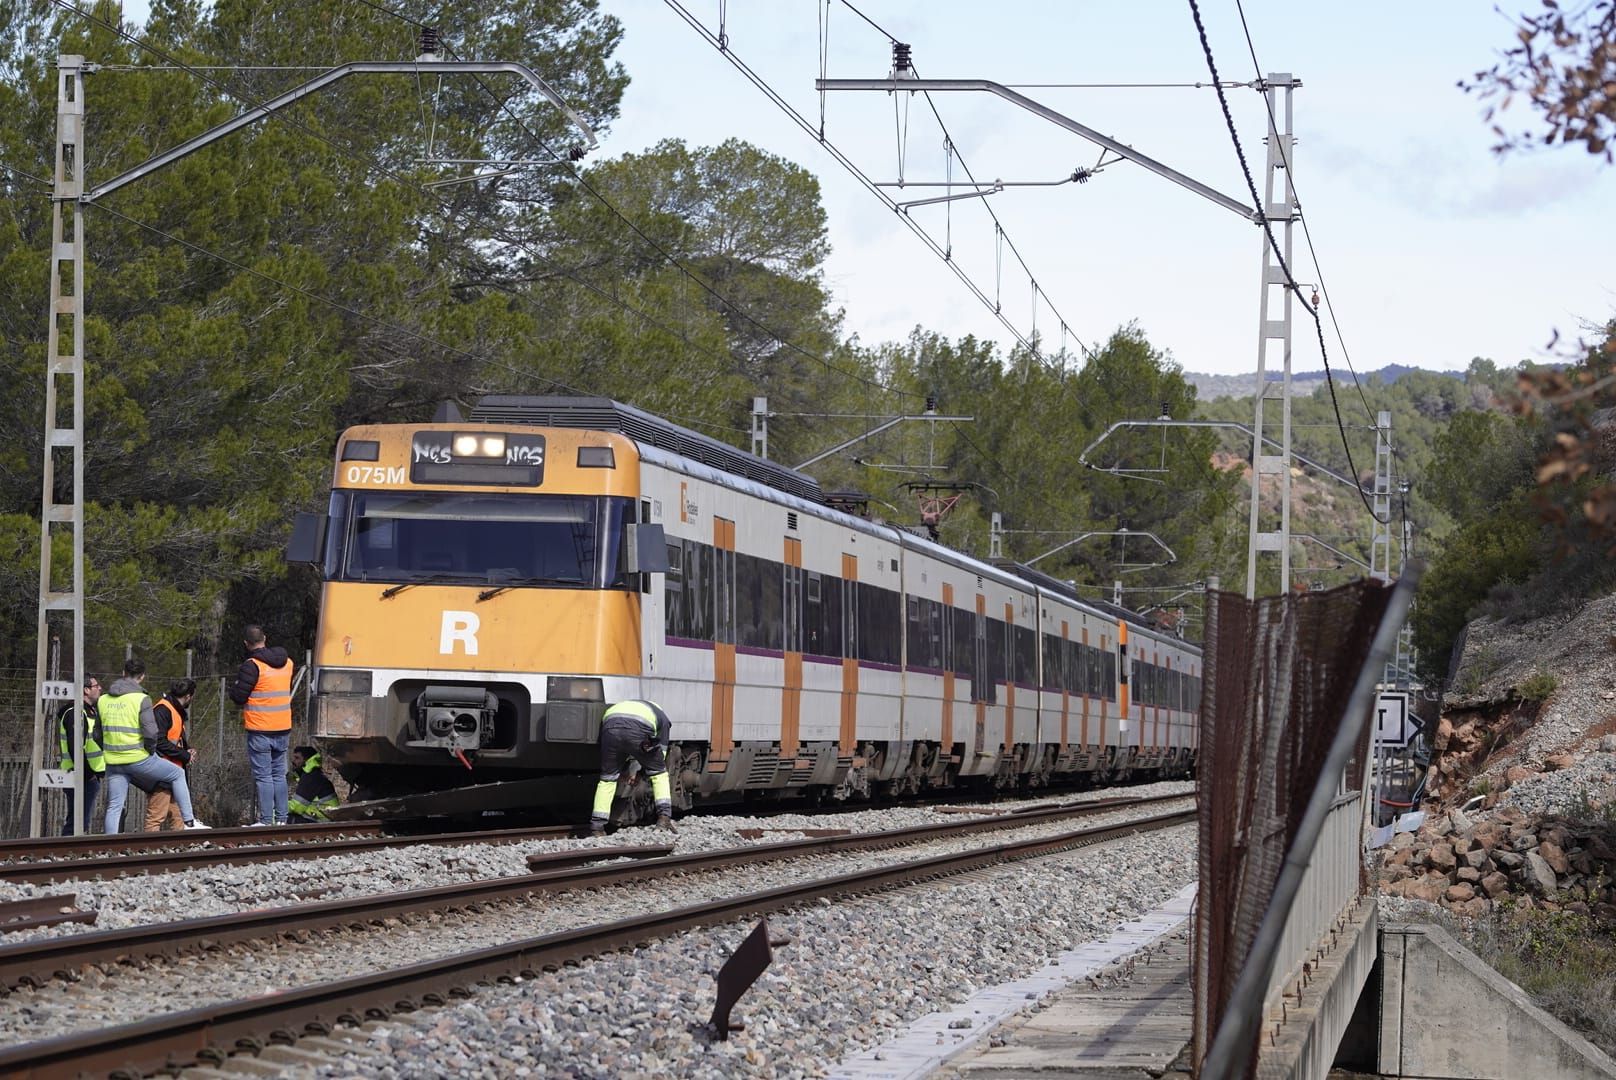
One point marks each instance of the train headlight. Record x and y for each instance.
(572, 689)
(469, 444)
(344, 681)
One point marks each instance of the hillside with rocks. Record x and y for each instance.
(1528, 728)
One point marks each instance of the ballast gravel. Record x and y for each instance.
(224, 890)
(135, 991)
(855, 973)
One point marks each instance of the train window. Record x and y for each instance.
(1053, 668)
(1026, 656)
(673, 590)
(997, 662)
(914, 631)
(933, 612)
(772, 593)
(336, 533)
(548, 540)
(759, 619)
(829, 641)
(850, 618)
(878, 616)
(723, 589)
(963, 661)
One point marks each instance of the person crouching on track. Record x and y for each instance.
(314, 796)
(172, 745)
(128, 727)
(638, 730)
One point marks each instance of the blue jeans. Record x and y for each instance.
(266, 753)
(92, 788)
(146, 772)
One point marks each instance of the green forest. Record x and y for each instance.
(249, 302)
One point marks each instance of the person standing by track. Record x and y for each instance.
(172, 745)
(639, 730)
(127, 727)
(263, 689)
(95, 765)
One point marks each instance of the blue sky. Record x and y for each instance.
(1432, 248)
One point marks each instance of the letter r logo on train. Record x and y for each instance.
(459, 626)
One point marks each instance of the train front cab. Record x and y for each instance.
(478, 610)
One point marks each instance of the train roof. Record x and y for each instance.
(604, 414)
(1056, 585)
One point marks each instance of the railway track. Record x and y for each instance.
(32, 848)
(38, 961)
(74, 869)
(213, 1031)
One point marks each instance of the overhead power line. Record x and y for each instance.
(1000, 231)
(1307, 233)
(379, 167)
(763, 85)
(1279, 255)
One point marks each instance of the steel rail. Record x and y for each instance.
(165, 861)
(212, 1031)
(29, 847)
(37, 962)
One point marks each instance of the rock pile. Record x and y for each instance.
(1468, 866)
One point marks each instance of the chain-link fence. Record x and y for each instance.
(1279, 673)
(220, 779)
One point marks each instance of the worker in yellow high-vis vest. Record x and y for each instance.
(639, 730)
(127, 730)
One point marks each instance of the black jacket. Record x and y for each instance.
(247, 674)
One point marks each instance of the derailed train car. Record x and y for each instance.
(492, 584)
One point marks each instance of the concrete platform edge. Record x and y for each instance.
(931, 1041)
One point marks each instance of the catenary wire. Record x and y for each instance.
(1307, 233)
(1002, 232)
(348, 152)
(847, 163)
(672, 260)
(1273, 243)
(337, 306)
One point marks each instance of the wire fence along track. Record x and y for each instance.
(222, 791)
(39, 961)
(1279, 671)
(172, 1040)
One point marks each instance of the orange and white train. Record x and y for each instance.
(492, 583)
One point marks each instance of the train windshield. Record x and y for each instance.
(548, 540)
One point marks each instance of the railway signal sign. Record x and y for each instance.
(56, 690)
(1394, 726)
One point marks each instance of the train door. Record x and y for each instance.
(723, 727)
(850, 653)
(984, 687)
(791, 699)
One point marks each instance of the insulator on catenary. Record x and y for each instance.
(429, 41)
(900, 59)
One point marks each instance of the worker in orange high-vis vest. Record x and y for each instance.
(263, 689)
(172, 743)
